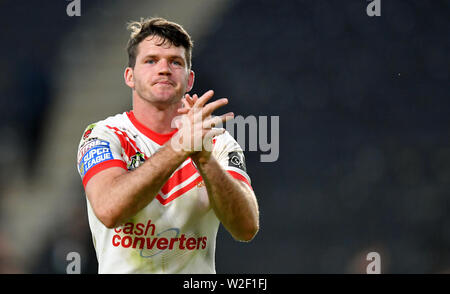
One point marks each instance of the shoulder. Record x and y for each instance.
(226, 141)
(99, 143)
(100, 133)
(113, 120)
(102, 126)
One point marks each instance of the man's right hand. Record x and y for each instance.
(195, 125)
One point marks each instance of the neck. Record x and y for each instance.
(156, 117)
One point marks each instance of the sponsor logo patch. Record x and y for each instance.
(136, 160)
(91, 142)
(88, 131)
(93, 153)
(236, 159)
(144, 237)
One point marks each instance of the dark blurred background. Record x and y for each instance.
(364, 132)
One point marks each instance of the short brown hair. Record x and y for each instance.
(168, 31)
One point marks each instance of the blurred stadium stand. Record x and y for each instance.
(364, 126)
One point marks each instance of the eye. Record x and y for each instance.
(177, 63)
(151, 61)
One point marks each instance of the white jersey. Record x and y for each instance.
(176, 232)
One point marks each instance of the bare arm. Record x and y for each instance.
(116, 194)
(233, 201)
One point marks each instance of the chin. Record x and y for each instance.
(167, 96)
(165, 99)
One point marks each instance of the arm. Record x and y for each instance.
(233, 201)
(116, 194)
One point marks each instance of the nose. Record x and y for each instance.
(164, 68)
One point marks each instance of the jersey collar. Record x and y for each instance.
(161, 139)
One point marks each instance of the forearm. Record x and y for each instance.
(128, 193)
(233, 202)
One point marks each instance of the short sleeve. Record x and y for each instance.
(98, 150)
(231, 157)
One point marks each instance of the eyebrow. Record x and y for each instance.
(170, 56)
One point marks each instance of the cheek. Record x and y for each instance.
(183, 82)
(141, 80)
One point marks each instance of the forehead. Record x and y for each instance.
(157, 45)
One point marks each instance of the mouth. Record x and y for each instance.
(164, 82)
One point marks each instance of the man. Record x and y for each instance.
(158, 187)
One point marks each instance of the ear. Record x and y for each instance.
(191, 79)
(128, 76)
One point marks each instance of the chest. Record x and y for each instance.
(183, 197)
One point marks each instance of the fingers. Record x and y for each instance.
(213, 106)
(194, 99)
(215, 132)
(188, 100)
(199, 103)
(196, 104)
(209, 123)
(187, 104)
(183, 110)
(204, 98)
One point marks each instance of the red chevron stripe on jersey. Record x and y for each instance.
(128, 144)
(179, 192)
(240, 177)
(179, 177)
(185, 175)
